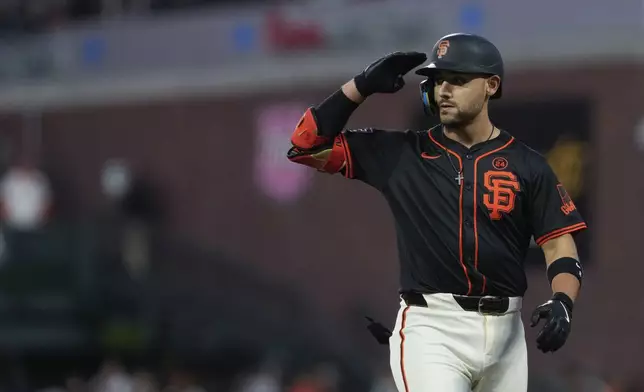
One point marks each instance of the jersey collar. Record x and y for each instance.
(438, 136)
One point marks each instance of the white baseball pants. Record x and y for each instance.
(443, 348)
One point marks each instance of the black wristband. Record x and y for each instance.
(565, 299)
(333, 113)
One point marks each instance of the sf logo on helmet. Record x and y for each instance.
(442, 48)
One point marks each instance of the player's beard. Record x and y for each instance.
(460, 116)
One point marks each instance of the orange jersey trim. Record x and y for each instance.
(476, 234)
(402, 348)
(559, 232)
(460, 214)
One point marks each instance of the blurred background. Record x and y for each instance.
(153, 236)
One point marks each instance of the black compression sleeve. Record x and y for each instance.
(333, 113)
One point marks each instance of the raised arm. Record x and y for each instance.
(317, 140)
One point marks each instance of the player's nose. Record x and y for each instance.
(445, 90)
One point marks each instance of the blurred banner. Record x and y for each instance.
(274, 176)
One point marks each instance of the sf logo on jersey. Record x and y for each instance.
(502, 187)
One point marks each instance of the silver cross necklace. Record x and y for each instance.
(459, 172)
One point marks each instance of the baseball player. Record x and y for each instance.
(467, 198)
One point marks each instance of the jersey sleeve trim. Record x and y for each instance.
(559, 232)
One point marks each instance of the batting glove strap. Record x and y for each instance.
(565, 299)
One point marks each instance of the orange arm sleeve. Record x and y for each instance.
(321, 153)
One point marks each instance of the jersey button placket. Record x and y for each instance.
(468, 216)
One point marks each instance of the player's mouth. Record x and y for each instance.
(446, 107)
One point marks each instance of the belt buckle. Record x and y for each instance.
(491, 312)
(480, 305)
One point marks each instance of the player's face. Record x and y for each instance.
(461, 97)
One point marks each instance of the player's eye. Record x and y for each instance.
(453, 80)
(458, 81)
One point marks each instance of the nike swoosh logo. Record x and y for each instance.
(427, 156)
(566, 311)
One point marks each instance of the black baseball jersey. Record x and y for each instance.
(464, 217)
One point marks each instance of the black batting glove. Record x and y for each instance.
(386, 74)
(558, 315)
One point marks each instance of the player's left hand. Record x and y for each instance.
(555, 331)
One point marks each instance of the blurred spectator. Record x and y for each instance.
(268, 378)
(135, 211)
(116, 179)
(112, 377)
(25, 206)
(144, 382)
(26, 197)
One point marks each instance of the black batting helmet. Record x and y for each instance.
(460, 52)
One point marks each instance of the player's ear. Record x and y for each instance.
(492, 85)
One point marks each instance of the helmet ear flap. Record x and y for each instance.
(427, 97)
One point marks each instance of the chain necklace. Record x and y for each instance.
(459, 172)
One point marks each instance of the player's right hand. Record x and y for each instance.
(386, 74)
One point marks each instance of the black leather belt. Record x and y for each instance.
(484, 305)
